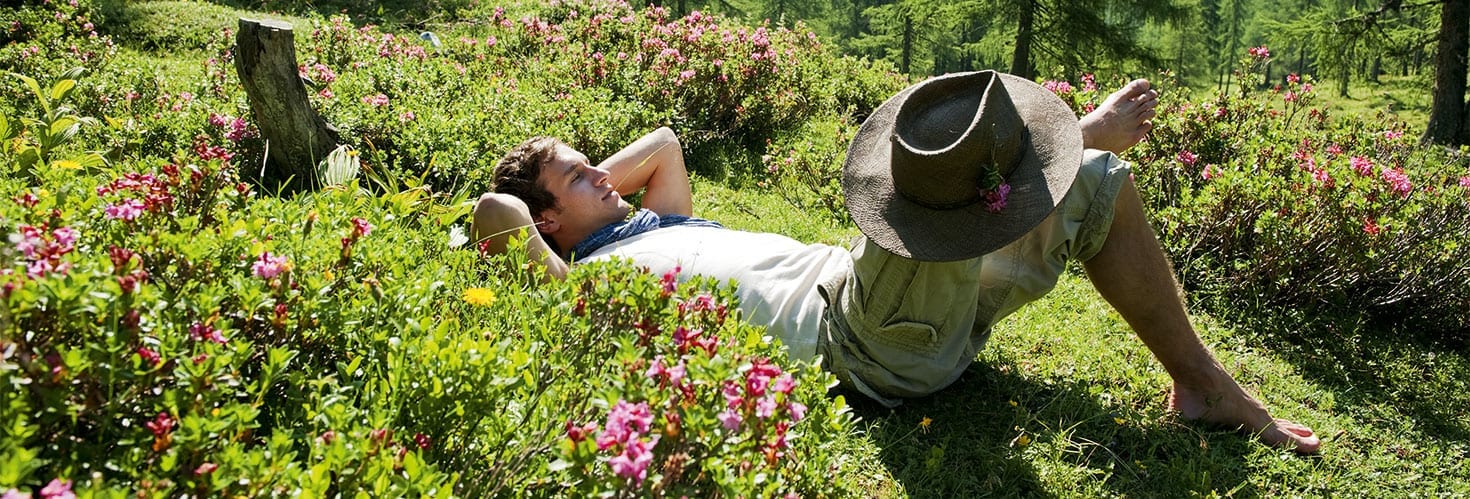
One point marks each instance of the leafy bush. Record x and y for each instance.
(596, 74)
(167, 330)
(1262, 199)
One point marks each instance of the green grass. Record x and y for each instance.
(1069, 375)
(1401, 98)
(1406, 98)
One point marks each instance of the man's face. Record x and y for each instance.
(585, 199)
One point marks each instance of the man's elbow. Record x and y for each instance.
(666, 135)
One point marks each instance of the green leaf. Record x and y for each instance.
(5, 131)
(62, 89)
(61, 124)
(339, 167)
(35, 90)
(73, 73)
(91, 159)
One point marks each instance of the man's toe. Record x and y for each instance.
(1291, 435)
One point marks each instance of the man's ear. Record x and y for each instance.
(546, 222)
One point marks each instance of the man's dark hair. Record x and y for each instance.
(519, 173)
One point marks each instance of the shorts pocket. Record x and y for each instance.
(907, 337)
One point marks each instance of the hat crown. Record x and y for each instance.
(952, 137)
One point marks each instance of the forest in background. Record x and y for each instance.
(1337, 42)
(1341, 45)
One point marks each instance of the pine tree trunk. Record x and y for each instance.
(297, 138)
(1447, 113)
(908, 44)
(1021, 60)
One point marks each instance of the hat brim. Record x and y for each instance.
(1051, 158)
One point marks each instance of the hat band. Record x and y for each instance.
(943, 206)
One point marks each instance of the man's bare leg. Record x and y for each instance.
(1132, 273)
(1122, 119)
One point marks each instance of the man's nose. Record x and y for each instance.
(600, 174)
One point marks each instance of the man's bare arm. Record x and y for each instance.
(655, 161)
(499, 216)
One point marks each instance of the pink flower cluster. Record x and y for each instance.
(1057, 87)
(1188, 158)
(269, 266)
(702, 304)
(1362, 165)
(58, 489)
(199, 331)
(1399, 181)
(1371, 226)
(1210, 172)
(758, 397)
(155, 193)
(44, 249)
(322, 73)
(207, 152)
(670, 281)
(378, 100)
(360, 229)
(626, 424)
(237, 128)
(1260, 52)
(995, 199)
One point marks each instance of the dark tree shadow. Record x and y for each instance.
(974, 445)
(1365, 364)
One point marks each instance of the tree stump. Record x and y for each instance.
(297, 138)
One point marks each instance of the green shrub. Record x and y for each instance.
(596, 74)
(1263, 200)
(167, 330)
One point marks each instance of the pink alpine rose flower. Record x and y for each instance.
(360, 227)
(127, 209)
(1187, 157)
(1362, 165)
(995, 199)
(58, 489)
(268, 266)
(730, 419)
(378, 100)
(1399, 181)
(1210, 172)
(633, 462)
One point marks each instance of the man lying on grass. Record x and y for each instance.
(972, 191)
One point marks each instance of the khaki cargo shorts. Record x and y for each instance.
(897, 327)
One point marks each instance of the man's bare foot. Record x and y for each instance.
(1122, 119)
(1239, 410)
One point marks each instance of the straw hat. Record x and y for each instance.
(927, 175)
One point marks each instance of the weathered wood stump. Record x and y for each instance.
(297, 138)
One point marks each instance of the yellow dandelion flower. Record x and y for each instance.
(924, 424)
(1021, 440)
(1119, 421)
(479, 296)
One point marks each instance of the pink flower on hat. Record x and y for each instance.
(995, 199)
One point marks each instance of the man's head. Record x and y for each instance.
(568, 197)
